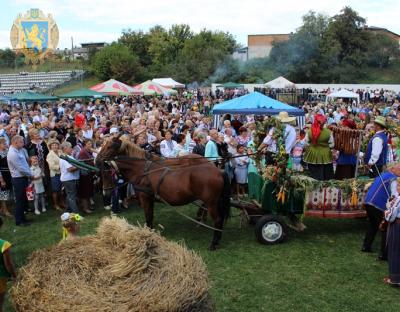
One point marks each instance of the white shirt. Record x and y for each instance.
(65, 174)
(167, 148)
(290, 138)
(179, 151)
(88, 134)
(270, 142)
(377, 147)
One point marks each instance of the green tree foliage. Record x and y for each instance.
(300, 56)
(336, 49)
(382, 50)
(116, 61)
(202, 54)
(178, 51)
(7, 58)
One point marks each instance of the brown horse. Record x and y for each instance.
(176, 181)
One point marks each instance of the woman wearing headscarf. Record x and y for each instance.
(346, 163)
(318, 154)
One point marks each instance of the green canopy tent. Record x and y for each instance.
(33, 97)
(230, 85)
(82, 93)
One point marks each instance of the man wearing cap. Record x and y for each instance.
(377, 149)
(383, 187)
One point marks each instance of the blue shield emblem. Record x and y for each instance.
(36, 35)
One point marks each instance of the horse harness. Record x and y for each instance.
(149, 191)
(146, 173)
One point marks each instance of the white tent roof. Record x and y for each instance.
(168, 82)
(280, 83)
(343, 94)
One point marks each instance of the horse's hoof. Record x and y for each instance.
(212, 247)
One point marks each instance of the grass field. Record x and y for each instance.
(320, 269)
(85, 83)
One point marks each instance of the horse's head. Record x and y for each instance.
(109, 150)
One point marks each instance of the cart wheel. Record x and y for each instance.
(270, 230)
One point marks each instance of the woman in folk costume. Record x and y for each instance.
(318, 154)
(346, 163)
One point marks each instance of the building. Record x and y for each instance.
(384, 31)
(241, 54)
(82, 52)
(261, 45)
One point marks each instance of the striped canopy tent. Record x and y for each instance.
(113, 87)
(152, 88)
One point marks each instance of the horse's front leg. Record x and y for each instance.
(147, 203)
(218, 224)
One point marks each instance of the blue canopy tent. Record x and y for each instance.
(258, 104)
(255, 103)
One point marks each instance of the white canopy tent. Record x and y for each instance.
(343, 94)
(168, 83)
(280, 83)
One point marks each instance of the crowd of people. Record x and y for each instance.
(32, 138)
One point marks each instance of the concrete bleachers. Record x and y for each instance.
(40, 81)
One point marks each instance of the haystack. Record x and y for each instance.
(119, 269)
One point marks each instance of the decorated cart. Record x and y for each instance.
(274, 214)
(280, 197)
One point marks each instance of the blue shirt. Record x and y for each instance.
(18, 163)
(211, 150)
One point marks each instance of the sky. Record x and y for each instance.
(104, 20)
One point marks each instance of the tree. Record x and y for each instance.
(7, 58)
(202, 54)
(347, 30)
(138, 43)
(116, 61)
(382, 50)
(300, 58)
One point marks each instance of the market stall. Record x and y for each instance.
(81, 94)
(342, 94)
(169, 83)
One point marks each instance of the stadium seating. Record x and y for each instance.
(39, 81)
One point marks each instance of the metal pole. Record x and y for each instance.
(383, 184)
(358, 154)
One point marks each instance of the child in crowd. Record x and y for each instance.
(297, 152)
(7, 269)
(242, 161)
(37, 179)
(70, 223)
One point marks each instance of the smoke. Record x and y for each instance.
(256, 70)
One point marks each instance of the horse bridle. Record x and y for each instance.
(113, 167)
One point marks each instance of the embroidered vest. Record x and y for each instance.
(377, 195)
(383, 156)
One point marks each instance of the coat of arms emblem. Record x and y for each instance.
(35, 35)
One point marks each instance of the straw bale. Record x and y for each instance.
(119, 269)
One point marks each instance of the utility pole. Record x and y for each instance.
(72, 47)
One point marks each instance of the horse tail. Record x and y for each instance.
(224, 203)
